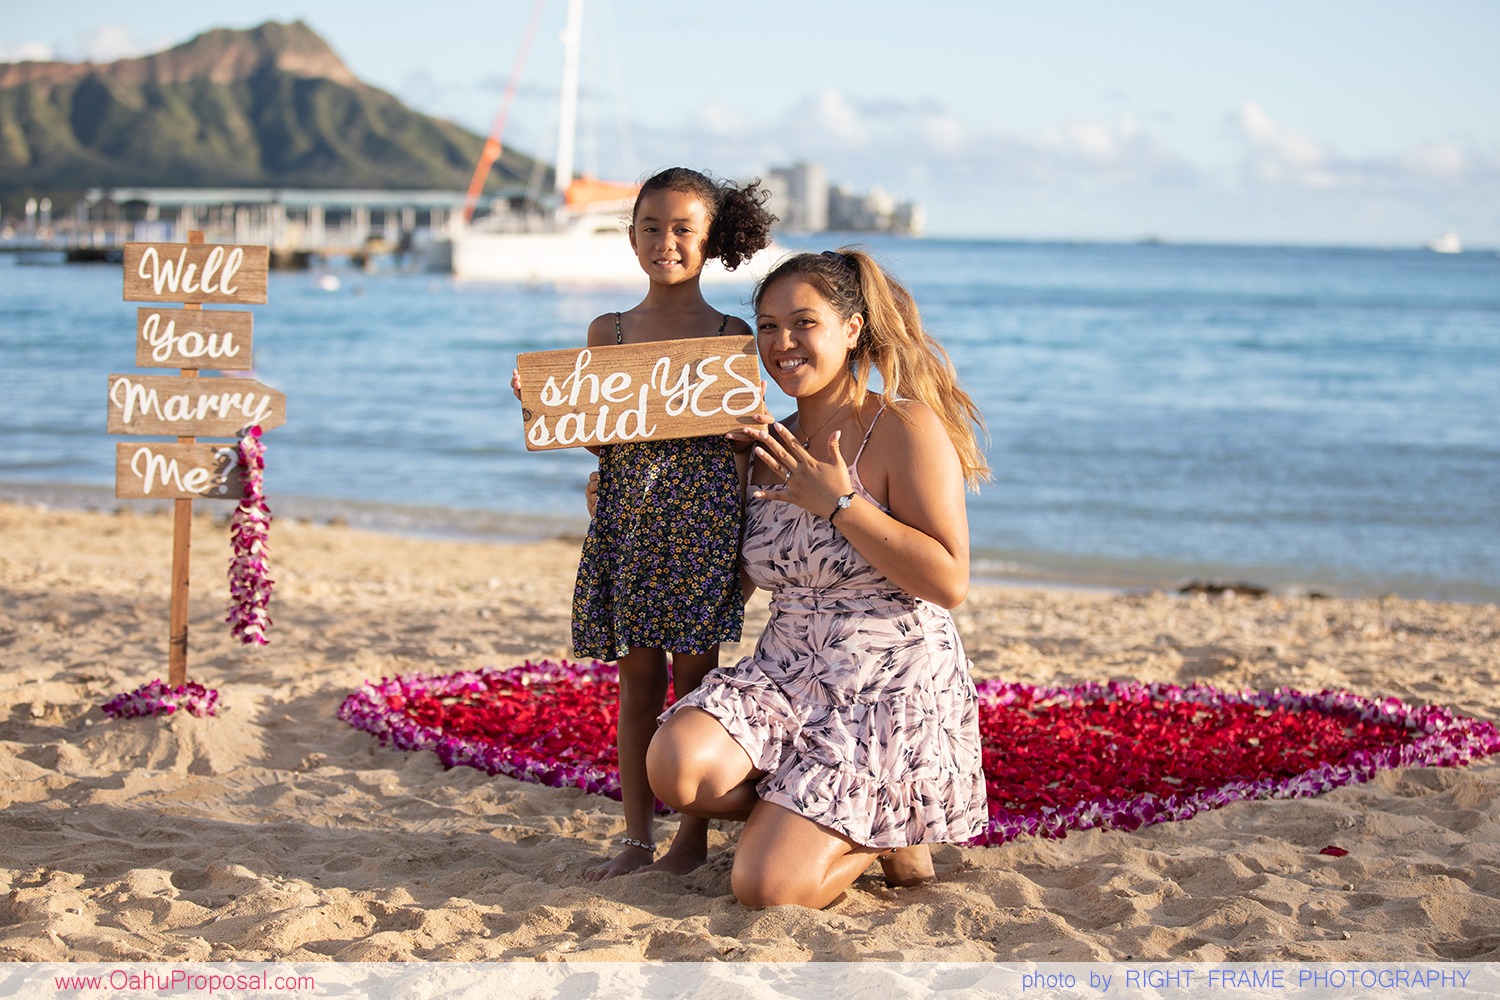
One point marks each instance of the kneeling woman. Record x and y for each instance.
(852, 731)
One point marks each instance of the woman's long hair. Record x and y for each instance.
(893, 342)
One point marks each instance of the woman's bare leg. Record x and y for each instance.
(689, 847)
(784, 857)
(643, 692)
(698, 769)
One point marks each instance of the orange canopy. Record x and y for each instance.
(588, 190)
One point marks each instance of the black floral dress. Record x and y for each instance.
(660, 564)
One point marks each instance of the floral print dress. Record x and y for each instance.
(660, 563)
(857, 702)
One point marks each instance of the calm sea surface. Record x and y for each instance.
(1326, 419)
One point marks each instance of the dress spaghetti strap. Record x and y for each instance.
(871, 430)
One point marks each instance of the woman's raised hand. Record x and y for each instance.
(811, 483)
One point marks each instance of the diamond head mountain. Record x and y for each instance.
(270, 106)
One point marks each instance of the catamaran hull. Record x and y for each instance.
(566, 258)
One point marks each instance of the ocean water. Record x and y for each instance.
(1298, 418)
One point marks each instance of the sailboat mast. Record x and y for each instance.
(567, 117)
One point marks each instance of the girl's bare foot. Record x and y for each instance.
(906, 866)
(679, 860)
(689, 847)
(633, 858)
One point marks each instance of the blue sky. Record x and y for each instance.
(1316, 121)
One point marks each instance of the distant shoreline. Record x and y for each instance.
(1022, 570)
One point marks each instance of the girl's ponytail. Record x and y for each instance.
(741, 225)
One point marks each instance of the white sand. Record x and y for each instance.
(275, 831)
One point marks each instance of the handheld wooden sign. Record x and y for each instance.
(638, 392)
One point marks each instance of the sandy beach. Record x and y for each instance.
(274, 831)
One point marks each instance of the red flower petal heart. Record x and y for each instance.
(1119, 755)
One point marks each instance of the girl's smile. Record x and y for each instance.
(669, 233)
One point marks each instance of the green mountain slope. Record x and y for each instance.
(271, 106)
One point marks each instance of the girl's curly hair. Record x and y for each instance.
(738, 222)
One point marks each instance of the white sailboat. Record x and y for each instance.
(1448, 242)
(582, 240)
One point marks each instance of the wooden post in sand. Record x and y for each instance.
(186, 406)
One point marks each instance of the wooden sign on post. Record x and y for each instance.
(185, 405)
(638, 392)
(152, 471)
(192, 338)
(191, 406)
(196, 272)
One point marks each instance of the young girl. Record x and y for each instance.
(659, 571)
(851, 734)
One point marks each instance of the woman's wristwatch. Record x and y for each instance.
(843, 504)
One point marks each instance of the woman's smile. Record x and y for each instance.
(801, 337)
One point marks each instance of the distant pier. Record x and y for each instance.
(301, 226)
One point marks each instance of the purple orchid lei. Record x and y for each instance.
(250, 531)
(156, 698)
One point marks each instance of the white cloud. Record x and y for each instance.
(829, 118)
(1088, 140)
(942, 132)
(1439, 161)
(720, 119)
(922, 150)
(1120, 148)
(27, 52)
(1120, 176)
(890, 143)
(1277, 154)
(1277, 140)
(108, 42)
(1434, 173)
(101, 44)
